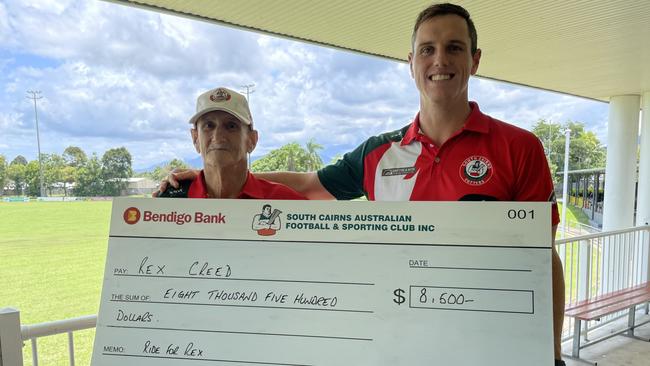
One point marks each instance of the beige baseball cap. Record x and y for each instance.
(223, 99)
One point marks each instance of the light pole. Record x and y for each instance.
(249, 91)
(35, 95)
(567, 140)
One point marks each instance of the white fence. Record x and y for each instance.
(594, 264)
(12, 335)
(602, 263)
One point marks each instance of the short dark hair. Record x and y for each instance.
(445, 9)
(265, 206)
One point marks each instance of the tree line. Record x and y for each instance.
(585, 149)
(106, 176)
(72, 170)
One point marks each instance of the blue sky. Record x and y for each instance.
(116, 76)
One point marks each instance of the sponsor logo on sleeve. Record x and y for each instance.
(398, 171)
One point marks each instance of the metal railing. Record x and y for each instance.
(11, 346)
(594, 264)
(601, 263)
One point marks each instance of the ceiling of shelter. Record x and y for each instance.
(594, 49)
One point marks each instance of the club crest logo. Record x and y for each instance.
(220, 95)
(131, 215)
(476, 170)
(267, 222)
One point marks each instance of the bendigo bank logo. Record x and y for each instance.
(131, 215)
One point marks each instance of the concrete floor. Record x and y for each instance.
(616, 351)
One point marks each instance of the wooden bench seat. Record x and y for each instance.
(600, 306)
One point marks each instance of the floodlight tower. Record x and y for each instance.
(35, 95)
(249, 91)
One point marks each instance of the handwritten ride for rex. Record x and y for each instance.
(196, 282)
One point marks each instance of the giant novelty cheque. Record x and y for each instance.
(318, 283)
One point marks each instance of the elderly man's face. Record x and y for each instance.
(223, 140)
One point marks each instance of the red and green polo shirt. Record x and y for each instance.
(486, 160)
(254, 188)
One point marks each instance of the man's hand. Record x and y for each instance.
(173, 178)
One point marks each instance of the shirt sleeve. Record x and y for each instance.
(534, 181)
(344, 179)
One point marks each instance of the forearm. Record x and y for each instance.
(558, 299)
(306, 184)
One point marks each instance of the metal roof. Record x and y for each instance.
(594, 49)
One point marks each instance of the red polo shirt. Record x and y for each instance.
(254, 188)
(486, 159)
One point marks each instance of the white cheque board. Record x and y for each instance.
(289, 283)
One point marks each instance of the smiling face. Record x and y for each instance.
(222, 139)
(442, 62)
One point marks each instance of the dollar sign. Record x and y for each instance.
(399, 298)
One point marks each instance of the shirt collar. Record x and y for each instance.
(250, 189)
(475, 122)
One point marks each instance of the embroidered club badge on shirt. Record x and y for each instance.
(476, 170)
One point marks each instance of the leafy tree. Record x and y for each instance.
(116, 169)
(16, 174)
(291, 157)
(160, 172)
(3, 172)
(314, 162)
(53, 166)
(68, 176)
(585, 150)
(19, 160)
(89, 178)
(74, 156)
(31, 175)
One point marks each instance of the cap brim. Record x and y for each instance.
(212, 109)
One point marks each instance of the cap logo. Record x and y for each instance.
(476, 170)
(220, 95)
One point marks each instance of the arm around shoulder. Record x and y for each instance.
(306, 184)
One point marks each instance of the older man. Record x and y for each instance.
(222, 132)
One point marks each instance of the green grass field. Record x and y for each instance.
(52, 258)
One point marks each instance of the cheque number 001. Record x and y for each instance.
(521, 214)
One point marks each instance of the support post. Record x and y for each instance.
(584, 270)
(643, 199)
(584, 275)
(622, 134)
(11, 342)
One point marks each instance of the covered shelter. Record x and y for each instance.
(591, 49)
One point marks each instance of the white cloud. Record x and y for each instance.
(118, 76)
